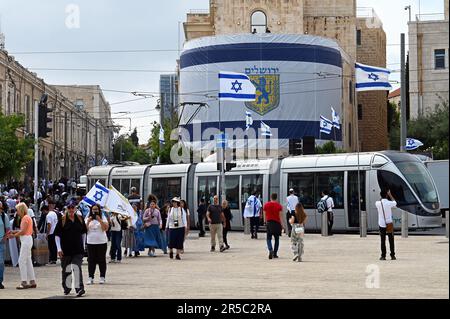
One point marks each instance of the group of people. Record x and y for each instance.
(78, 230)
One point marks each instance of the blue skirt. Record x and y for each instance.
(152, 237)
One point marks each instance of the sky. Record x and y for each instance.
(105, 25)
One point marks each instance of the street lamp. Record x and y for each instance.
(159, 109)
(409, 9)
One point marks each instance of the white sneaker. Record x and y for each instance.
(295, 258)
(102, 280)
(90, 281)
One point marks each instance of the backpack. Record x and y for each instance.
(123, 223)
(3, 220)
(322, 205)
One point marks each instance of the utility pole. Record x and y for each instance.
(86, 140)
(65, 144)
(96, 141)
(403, 130)
(36, 154)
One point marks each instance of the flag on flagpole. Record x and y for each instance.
(236, 87)
(336, 119)
(248, 120)
(412, 144)
(161, 135)
(371, 78)
(104, 161)
(265, 129)
(98, 194)
(117, 203)
(325, 125)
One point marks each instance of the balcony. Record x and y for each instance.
(370, 15)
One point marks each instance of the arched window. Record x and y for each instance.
(259, 22)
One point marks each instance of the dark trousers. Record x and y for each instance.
(289, 226)
(254, 225)
(383, 242)
(116, 241)
(225, 232)
(53, 256)
(97, 256)
(330, 222)
(269, 242)
(201, 217)
(71, 264)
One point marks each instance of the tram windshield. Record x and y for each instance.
(421, 182)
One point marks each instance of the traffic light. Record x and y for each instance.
(295, 147)
(43, 119)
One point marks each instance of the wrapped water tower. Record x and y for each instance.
(298, 78)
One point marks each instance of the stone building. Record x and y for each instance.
(75, 139)
(334, 19)
(428, 61)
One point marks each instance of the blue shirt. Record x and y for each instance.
(2, 228)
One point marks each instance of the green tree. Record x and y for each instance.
(123, 144)
(328, 148)
(141, 156)
(15, 152)
(432, 130)
(134, 138)
(164, 149)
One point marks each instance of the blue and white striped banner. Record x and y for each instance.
(325, 125)
(236, 87)
(98, 194)
(371, 78)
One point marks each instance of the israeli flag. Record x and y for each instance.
(336, 119)
(325, 125)
(265, 129)
(104, 161)
(248, 120)
(412, 144)
(371, 78)
(161, 135)
(97, 195)
(236, 87)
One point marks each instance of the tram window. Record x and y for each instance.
(399, 189)
(232, 191)
(207, 188)
(303, 185)
(250, 184)
(101, 181)
(334, 183)
(136, 183)
(116, 184)
(165, 189)
(125, 187)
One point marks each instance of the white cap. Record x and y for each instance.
(291, 190)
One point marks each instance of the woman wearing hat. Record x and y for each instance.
(177, 224)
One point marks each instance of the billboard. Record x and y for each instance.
(298, 78)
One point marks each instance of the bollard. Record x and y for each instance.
(363, 226)
(446, 222)
(246, 226)
(325, 224)
(404, 224)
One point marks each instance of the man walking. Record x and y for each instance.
(252, 211)
(384, 207)
(272, 217)
(216, 219)
(201, 211)
(291, 203)
(4, 230)
(329, 210)
(51, 220)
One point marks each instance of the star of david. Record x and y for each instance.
(98, 196)
(410, 142)
(237, 86)
(373, 76)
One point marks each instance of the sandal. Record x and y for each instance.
(32, 286)
(22, 287)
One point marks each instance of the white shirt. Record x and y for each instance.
(115, 224)
(252, 207)
(30, 213)
(52, 219)
(330, 202)
(176, 214)
(387, 205)
(95, 233)
(292, 201)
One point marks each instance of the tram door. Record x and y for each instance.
(352, 197)
(232, 192)
(207, 189)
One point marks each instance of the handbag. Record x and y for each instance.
(390, 226)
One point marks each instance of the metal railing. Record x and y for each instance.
(368, 13)
(430, 17)
(199, 11)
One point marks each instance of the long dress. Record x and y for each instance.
(152, 236)
(139, 235)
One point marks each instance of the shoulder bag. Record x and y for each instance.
(390, 226)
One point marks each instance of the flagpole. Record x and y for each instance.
(222, 157)
(355, 116)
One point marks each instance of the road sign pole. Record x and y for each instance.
(36, 155)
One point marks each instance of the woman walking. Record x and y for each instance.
(177, 224)
(227, 225)
(116, 237)
(298, 221)
(26, 240)
(138, 232)
(97, 225)
(153, 224)
(128, 239)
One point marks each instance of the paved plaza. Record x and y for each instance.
(341, 266)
